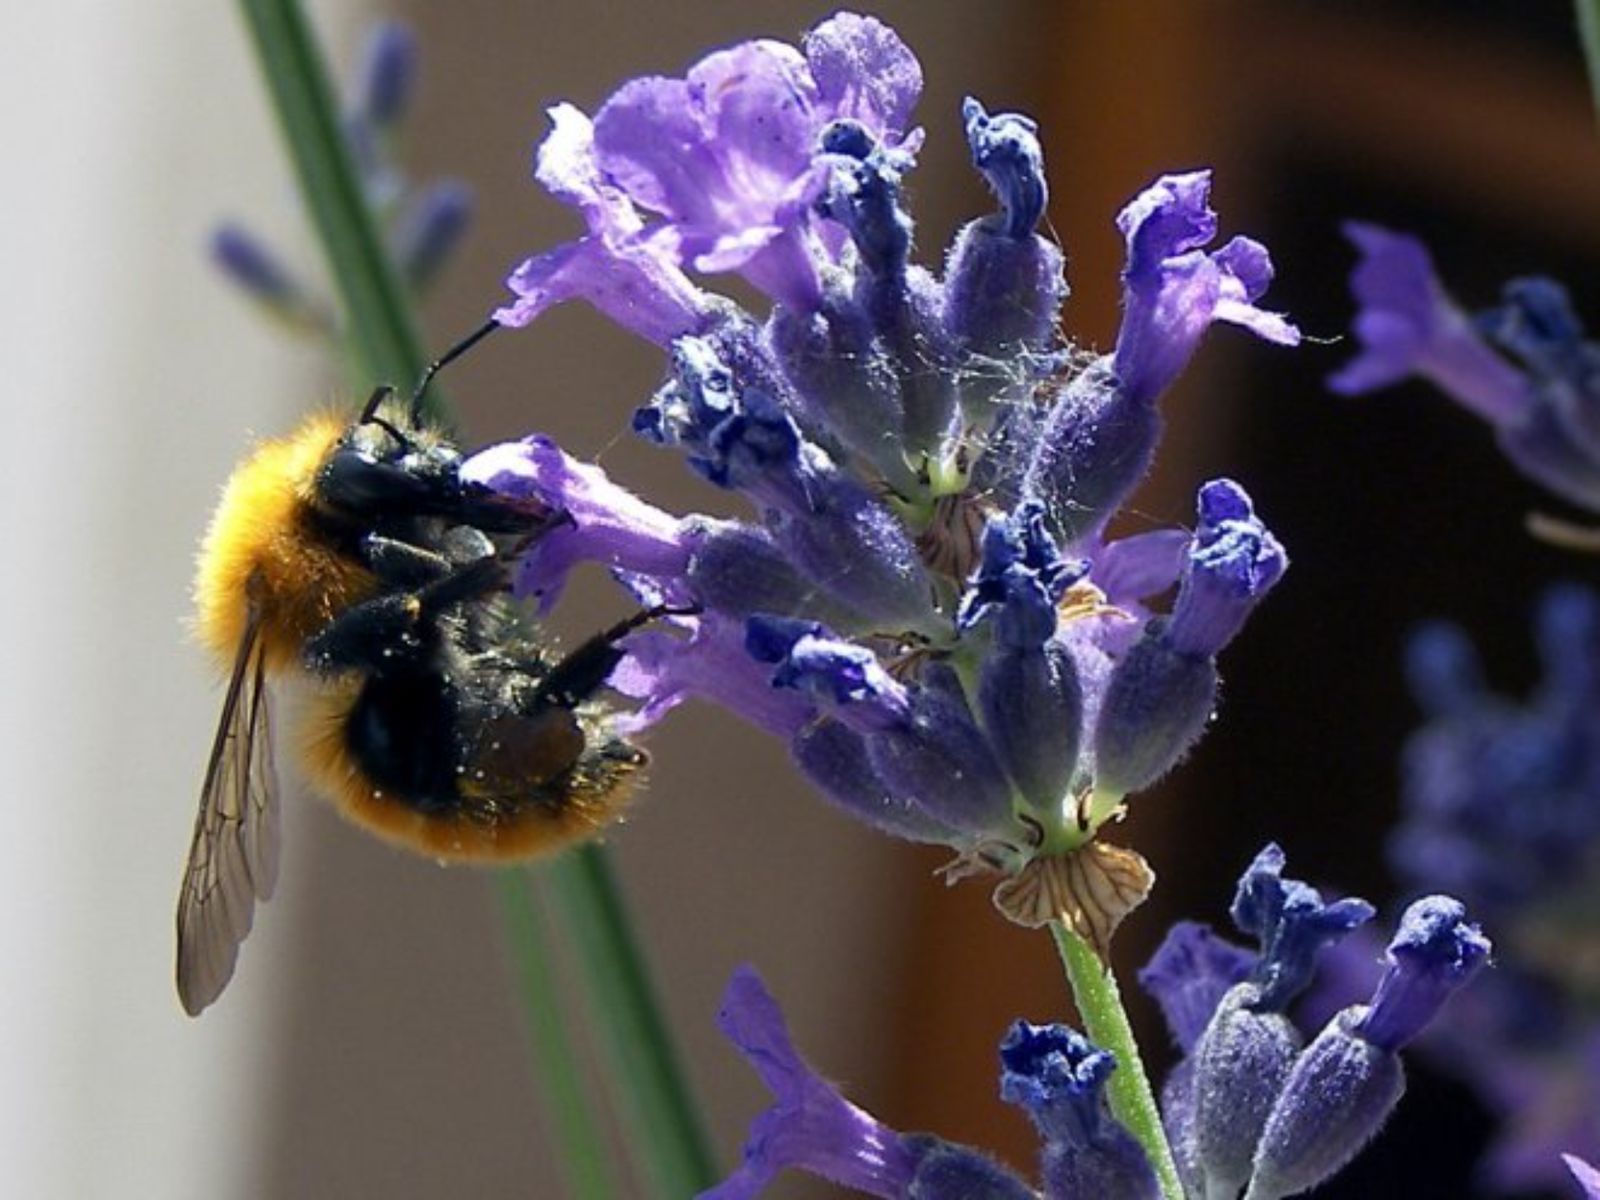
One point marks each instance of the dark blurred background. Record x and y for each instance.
(371, 1044)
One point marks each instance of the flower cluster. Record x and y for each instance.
(422, 224)
(1524, 366)
(925, 603)
(1499, 808)
(1252, 1108)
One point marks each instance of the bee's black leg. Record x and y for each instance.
(402, 564)
(585, 670)
(391, 631)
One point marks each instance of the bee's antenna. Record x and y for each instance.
(444, 360)
(379, 394)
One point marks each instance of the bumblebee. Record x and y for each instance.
(355, 556)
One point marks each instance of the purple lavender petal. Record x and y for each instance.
(1408, 325)
(1135, 568)
(1588, 1178)
(810, 1125)
(605, 523)
(627, 274)
(1189, 974)
(663, 670)
(863, 71)
(1174, 290)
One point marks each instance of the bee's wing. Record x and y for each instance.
(233, 858)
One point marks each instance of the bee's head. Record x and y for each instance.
(382, 468)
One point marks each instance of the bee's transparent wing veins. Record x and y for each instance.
(233, 858)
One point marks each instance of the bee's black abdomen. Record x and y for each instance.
(401, 731)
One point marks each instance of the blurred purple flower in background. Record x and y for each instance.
(1500, 808)
(422, 223)
(924, 603)
(1524, 367)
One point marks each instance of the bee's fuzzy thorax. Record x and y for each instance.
(261, 531)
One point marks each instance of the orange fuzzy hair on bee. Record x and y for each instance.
(263, 537)
(545, 818)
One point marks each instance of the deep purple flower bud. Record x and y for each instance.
(1433, 954)
(1189, 974)
(1173, 289)
(1020, 579)
(1349, 1079)
(250, 265)
(844, 381)
(602, 521)
(1005, 147)
(1093, 448)
(737, 569)
(903, 303)
(387, 76)
(1292, 923)
(810, 1125)
(1249, 1047)
(941, 760)
(863, 195)
(859, 552)
(1004, 284)
(429, 229)
(1155, 706)
(1234, 562)
(1059, 1077)
(1162, 692)
(835, 758)
(1032, 707)
(843, 678)
(1240, 1065)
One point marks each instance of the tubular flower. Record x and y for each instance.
(953, 650)
(1524, 367)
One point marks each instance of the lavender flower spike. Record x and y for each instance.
(812, 1127)
(1349, 1079)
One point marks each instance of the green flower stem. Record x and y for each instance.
(1105, 1021)
(664, 1126)
(382, 329)
(1589, 34)
(585, 1163)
